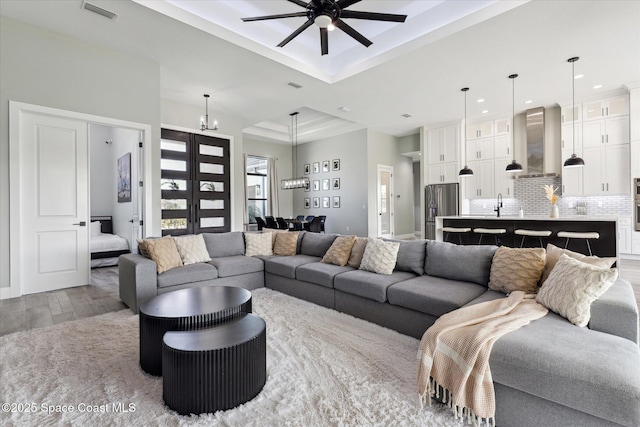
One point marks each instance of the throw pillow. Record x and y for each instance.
(96, 228)
(469, 263)
(572, 286)
(258, 244)
(339, 251)
(357, 251)
(285, 243)
(516, 269)
(554, 253)
(192, 249)
(380, 256)
(274, 232)
(164, 252)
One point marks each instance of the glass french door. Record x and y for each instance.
(195, 180)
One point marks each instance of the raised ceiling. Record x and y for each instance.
(420, 78)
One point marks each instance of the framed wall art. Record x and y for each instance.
(316, 167)
(316, 185)
(335, 184)
(325, 202)
(307, 203)
(307, 186)
(335, 164)
(307, 168)
(325, 184)
(124, 178)
(325, 166)
(316, 202)
(336, 201)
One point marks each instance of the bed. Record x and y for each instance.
(105, 246)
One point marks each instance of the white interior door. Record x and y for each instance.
(53, 163)
(385, 201)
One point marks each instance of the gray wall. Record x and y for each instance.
(351, 149)
(45, 68)
(282, 152)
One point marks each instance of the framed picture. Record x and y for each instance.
(316, 167)
(316, 185)
(316, 202)
(307, 186)
(124, 178)
(335, 164)
(336, 201)
(325, 184)
(307, 203)
(335, 184)
(325, 166)
(325, 202)
(307, 168)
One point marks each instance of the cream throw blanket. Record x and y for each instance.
(453, 359)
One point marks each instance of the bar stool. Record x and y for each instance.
(579, 235)
(532, 233)
(494, 231)
(457, 230)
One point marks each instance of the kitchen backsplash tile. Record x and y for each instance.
(529, 193)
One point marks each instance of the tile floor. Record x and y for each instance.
(50, 308)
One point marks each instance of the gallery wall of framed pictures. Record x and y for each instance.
(324, 184)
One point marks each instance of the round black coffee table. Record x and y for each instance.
(214, 369)
(184, 310)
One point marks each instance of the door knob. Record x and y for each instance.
(81, 223)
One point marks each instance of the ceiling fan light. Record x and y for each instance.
(514, 167)
(323, 21)
(573, 162)
(465, 172)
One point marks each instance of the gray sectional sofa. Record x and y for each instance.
(548, 373)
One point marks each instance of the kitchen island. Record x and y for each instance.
(606, 226)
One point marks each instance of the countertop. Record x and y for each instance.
(572, 218)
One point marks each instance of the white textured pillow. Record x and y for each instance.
(258, 244)
(96, 228)
(572, 286)
(380, 256)
(192, 249)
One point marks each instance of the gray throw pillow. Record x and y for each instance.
(469, 263)
(410, 255)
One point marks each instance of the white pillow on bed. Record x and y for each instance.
(96, 228)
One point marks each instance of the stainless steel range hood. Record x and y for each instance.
(535, 130)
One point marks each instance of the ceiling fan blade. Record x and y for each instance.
(353, 33)
(299, 3)
(296, 32)
(373, 16)
(346, 3)
(324, 41)
(283, 15)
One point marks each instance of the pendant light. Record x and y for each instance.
(204, 120)
(574, 161)
(513, 166)
(465, 171)
(301, 182)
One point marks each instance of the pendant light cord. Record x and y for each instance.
(573, 104)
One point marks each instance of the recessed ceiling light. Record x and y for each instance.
(528, 101)
(480, 100)
(597, 86)
(407, 115)
(485, 111)
(344, 109)
(294, 85)
(579, 76)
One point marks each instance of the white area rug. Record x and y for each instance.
(324, 368)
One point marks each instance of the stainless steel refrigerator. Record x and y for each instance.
(439, 200)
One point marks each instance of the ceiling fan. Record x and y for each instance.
(328, 14)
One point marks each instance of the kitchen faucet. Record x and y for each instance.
(497, 209)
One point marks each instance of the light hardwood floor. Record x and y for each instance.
(50, 308)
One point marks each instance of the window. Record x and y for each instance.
(257, 188)
(194, 183)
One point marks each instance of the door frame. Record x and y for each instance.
(16, 109)
(385, 168)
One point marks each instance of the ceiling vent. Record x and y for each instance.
(407, 115)
(294, 85)
(100, 11)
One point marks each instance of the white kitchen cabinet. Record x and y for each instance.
(479, 130)
(613, 131)
(502, 126)
(624, 235)
(442, 145)
(568, 114)
(502, 147)
(635, 243)
(481, 184)
(606, 170)
(566, 140)
(572, 180)
(441, 173)
(608, 107)
(503, 179)
(480, 149)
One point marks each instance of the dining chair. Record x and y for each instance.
(261, 223)
(271, 222)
